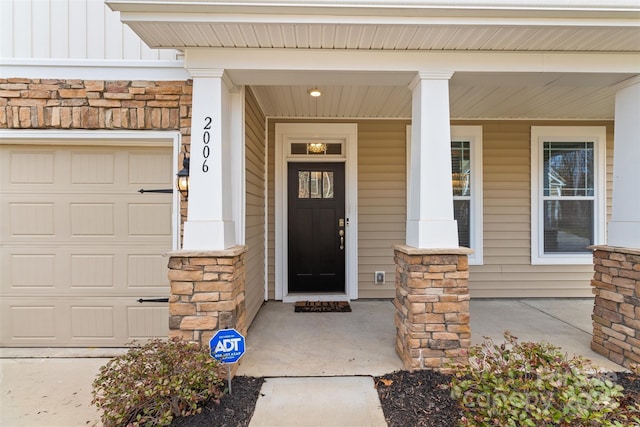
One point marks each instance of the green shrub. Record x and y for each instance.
(531, 384)
(154, 382)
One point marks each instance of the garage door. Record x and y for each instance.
(79, 245)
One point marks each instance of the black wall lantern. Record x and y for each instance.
(182, 181)
(183, 177)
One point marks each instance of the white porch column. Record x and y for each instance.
(624, 227)
(430, 222)
(210, 224)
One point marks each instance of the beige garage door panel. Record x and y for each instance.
(79, 244)
(131, 218)
(83, 271)
(79, 322)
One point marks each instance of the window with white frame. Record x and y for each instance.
(567, 193)
(466, 178)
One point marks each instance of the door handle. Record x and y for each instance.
(341, 234)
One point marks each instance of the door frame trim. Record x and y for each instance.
(309, 131)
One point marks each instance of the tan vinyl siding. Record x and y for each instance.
(271, 206)
(382, 202)
(255, 205)
(507, 269)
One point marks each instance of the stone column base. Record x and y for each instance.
(616, 311)
(207, 294)
(432, 307)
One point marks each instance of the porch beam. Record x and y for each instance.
(209, 224)
(430, 221)
(408, 61)
(624, 227)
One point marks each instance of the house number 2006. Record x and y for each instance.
(206, 137)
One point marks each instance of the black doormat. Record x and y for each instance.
(322, 307)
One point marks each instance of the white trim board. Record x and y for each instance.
(300, 131)
(93, 69)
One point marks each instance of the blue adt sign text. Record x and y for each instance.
(227, 346)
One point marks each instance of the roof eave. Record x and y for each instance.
(613, 9)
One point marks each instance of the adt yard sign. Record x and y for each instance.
(227, 346)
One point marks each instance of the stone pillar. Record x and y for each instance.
(616, 312)
(432, 307)
(207, 293)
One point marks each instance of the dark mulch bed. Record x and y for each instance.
(409, 399)
(234, 410)
(423, 398)
(420, 398)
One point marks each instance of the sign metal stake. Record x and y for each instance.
(227, 346)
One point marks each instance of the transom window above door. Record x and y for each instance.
(314, 148)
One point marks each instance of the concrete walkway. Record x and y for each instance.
(312, 361)
(318, 401)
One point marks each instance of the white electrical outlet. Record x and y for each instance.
(378, 278)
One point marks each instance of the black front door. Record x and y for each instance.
(316, 227)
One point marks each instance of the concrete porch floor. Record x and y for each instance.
(52, 386)
(283, 343)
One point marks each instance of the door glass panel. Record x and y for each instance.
(303, 185)
(316, 185)
(327, 185)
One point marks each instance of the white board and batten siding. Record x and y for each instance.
(79, 245)
(70, 29)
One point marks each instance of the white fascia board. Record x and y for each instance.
(499, 8)
(409, 61)
(629, 19)
(92, 70)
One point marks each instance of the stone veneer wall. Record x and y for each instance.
(207, 293)
(616, 312)
(95, 104)
(432, 307)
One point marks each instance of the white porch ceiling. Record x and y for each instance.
(506, 27)
(472, 96)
